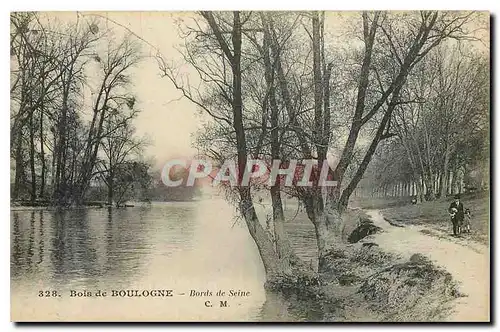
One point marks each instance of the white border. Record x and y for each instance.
(21, 5)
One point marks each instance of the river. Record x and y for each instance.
(183, 246)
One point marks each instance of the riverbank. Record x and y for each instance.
(55, 207)
(467, 263)
(45, 205)
(19, 205)
(396, 272)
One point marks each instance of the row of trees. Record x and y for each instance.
(276, 88)
(72, 110)
(442, 144)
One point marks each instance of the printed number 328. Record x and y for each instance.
(48, 293)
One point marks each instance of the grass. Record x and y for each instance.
(415, 290)
(375, 203)
(435, 214)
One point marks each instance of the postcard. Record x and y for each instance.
(250, 166)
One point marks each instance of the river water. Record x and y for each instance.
(179, 246)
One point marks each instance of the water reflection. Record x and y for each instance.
(73, 248)
(41, 243)
(85, 245)
(180, 246)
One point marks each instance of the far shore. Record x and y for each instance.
(45, 205)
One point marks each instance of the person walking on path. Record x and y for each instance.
(456, 211)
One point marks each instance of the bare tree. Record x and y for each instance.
(111, 96)
(52, 145)
(119, 147)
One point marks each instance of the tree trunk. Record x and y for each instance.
(19, 166)
(454, 183)
(429, 183)
(285, 93)
(266, 249)
(419, 189)
(326, 235)
(264, 245)
(318, 87)
(59, 188)
(32, 158)
(110, 188)
(283, 247)
(42, 156)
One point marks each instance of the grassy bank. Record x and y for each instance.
(364, 283)
(377, 203)
(435, 214)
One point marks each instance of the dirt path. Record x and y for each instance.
(467, 262)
